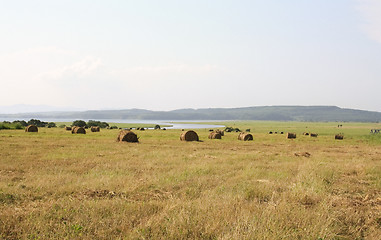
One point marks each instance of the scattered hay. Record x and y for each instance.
(215, 135)
(291, 135)
(339, 137)
(127, 136)
(95, 129)
(313, 134)
(189, 136)
(303, 154)
(68, 128)
(31, 128)
(245, 136)
(78, 130)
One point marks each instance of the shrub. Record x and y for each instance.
(79, 123)
(4, 126)
(37, 123)
(22, 122)
(92, 123)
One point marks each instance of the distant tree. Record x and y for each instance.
(92, 123)
(157, 127)
(62, 126)
(79, 123)
(21, 122)
(52, 124)
(37, 123)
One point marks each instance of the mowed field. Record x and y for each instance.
(56, 185)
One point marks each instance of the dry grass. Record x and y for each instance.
(55, 185)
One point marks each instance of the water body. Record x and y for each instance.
(175, 124)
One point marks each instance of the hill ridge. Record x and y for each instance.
(263, 113)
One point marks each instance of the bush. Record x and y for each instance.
(22, 122)
(79, 123)
(8, 125)
(62, 126)
(37, 123)
(92, 123)
(4, 126)
(52, 124)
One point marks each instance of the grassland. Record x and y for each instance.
(55, 185)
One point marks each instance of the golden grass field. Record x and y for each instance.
(55, 185)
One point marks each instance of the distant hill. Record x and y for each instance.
(266, 113)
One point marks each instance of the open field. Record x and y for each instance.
(55, 185)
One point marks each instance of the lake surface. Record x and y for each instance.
(176, 124)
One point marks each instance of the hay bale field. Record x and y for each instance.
(222, 132)
(244, 136)
(339, 137)
(188, 136)
(78, 130)
(127, 136)
(291, 135)
(54, 185)
(95, 129)
(215, 135)
(31, 128)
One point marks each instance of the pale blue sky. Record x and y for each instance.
(164, 55)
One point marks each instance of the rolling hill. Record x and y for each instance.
(264, 113)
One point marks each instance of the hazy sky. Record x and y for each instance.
(164, 55)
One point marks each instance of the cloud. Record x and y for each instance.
(172, 68)
(46, 75)
(371, 13)
(81, 69)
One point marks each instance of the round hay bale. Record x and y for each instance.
(291, 135)
(339, 137)
(313, 134)
(189, 136)
(215, 135)
(270, 132)
(78, 130)
(243, 136)
(306, 133)
(95, 129)
(127, 136)
(68, 128)
(31, 128)
(222, 132)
